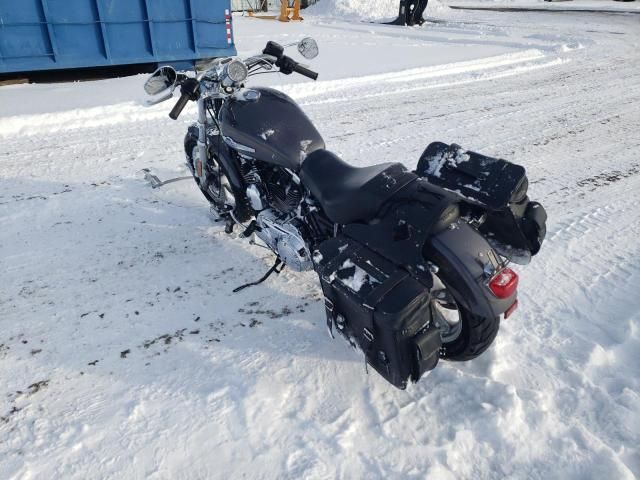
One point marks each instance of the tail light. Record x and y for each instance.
(504, 283)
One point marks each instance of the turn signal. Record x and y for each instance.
(504, 284)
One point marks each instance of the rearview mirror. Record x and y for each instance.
(308, 48)
(162, 79)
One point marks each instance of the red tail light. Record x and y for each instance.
(504, 284)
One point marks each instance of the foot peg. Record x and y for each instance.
(253, 226)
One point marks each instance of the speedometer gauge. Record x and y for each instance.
(237, 71)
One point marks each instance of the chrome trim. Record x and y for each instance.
(238, 146)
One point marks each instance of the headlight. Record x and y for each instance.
(237, 71)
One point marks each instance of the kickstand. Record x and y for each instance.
(273, 269)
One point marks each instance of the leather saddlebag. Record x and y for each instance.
(495, 187)
(379, 308)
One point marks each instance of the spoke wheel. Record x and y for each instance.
(214, 187)
(217, 189)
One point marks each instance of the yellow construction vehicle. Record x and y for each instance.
(287, 13)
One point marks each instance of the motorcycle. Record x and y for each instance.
(413, 265)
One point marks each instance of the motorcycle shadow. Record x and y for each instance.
(121, 270)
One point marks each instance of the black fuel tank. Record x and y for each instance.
(270, 126)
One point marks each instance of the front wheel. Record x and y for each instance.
(212, 192)
(464, 335)
(216, 187)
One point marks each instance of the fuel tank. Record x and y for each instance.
(268, 125)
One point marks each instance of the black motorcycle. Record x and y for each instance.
(413, 264)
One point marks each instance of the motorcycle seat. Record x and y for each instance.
(349, 194)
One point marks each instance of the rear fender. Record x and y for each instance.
(462, 255)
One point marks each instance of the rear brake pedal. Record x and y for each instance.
(253, 226)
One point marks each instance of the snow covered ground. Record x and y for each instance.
(629, 6)
(124, 354)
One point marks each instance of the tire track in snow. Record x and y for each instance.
(474, 71)
(553, 382)
(329, 88)
(582, 305)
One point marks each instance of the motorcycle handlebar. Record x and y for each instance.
(288, 65)
(177, 109)
(190, 87)
(305, 71)
(190, 90)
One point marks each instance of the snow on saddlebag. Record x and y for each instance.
(495, 187)
(379, 308)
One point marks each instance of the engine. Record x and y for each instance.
(275, 196)
(284, 236)
(282, 191)
(271, 186)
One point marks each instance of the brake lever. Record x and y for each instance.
(266, 61)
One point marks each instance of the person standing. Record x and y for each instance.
(410, 12)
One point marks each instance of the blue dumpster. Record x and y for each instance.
(55, 34)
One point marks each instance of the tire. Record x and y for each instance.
(190, 143)
(241, 211)
(464, 335)
(476, 335)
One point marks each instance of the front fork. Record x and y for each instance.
(201, 161)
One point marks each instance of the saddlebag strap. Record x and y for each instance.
(330, 310)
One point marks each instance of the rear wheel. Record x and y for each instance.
(464, 335)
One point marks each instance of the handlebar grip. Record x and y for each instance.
(177, 109)
(305, 71)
